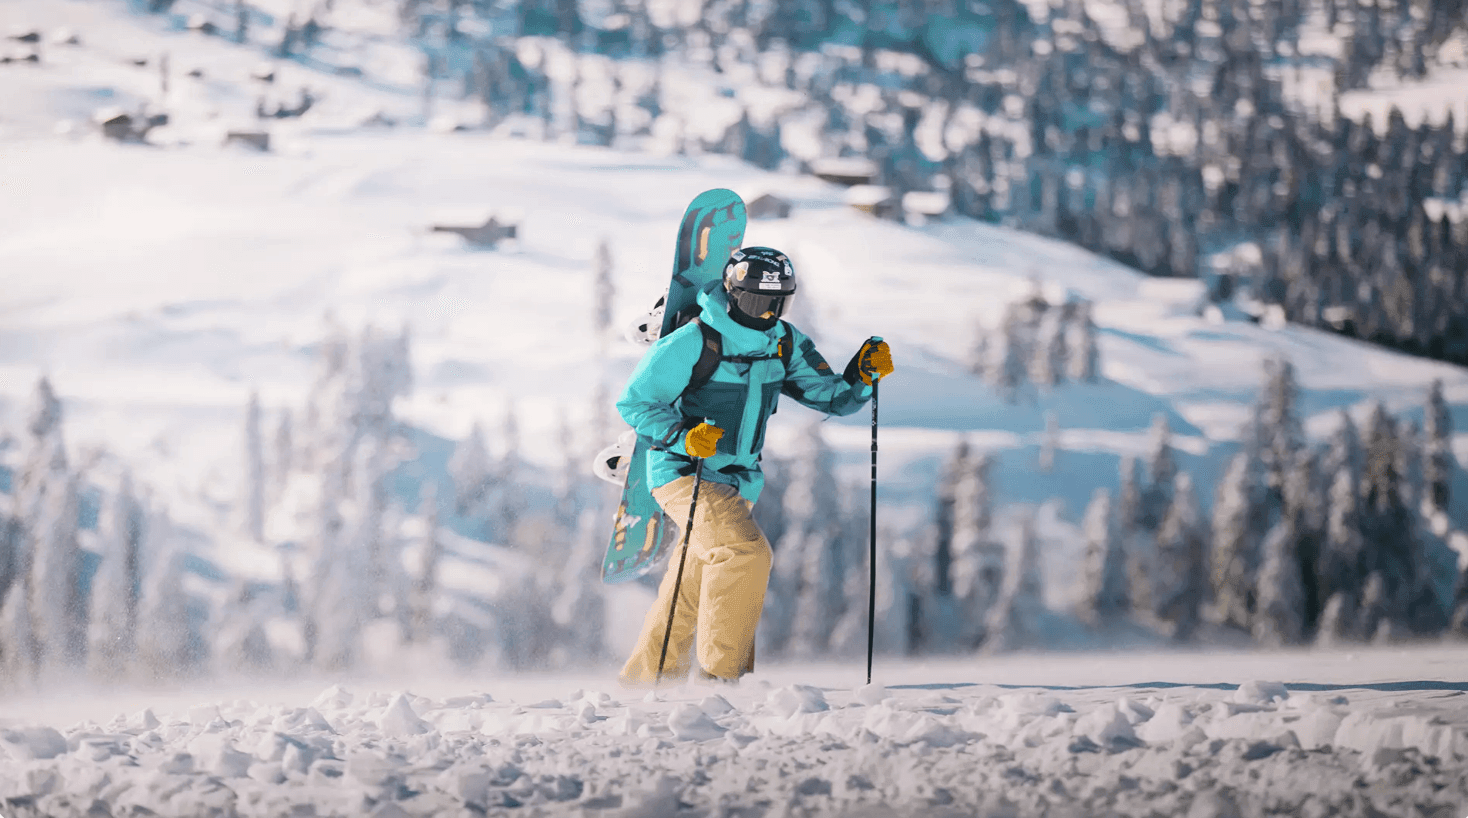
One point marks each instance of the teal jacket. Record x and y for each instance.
(739, 398)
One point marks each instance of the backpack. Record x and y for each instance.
(712, 354)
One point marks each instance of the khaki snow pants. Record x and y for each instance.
(722, 593)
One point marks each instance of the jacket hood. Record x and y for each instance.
(738, 339)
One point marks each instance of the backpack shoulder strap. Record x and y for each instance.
(787, 346)
(708, 358)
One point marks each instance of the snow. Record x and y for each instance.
(1126, 733)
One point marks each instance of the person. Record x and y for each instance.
(722, 421)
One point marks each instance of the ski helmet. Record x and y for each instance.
(759, 281)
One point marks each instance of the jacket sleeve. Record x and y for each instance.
(648, 402)
(811, 381)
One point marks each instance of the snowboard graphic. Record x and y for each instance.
(712, 229)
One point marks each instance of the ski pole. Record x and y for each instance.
(682, 559)
(872, 556)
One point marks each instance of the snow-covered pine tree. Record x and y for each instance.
(1162, 471)
(1047, 355)
(978, 563)
(47, 499)
(1180, 583)
(1409, 464)
(1235, 534)
(1388, 527)
(283, 458)
(1014, 620)
(1007, 369)
(1306, 509)
(769, 512)
(164, 633)
(1281, 434)
(808, 571)
(1377, 612)
(507, 501)
(1280, 616)
(1105, 595)
(470, 469)
(1050, 442)
(1084, 363)
(425, 581)
(579, 609)
(1138, 543)
(603, 291)
(1438, 462)
(333, 616)
(113, 612)
(253, 500)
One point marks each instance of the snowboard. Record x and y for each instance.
(711, 230)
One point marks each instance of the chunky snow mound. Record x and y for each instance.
(1354, 740)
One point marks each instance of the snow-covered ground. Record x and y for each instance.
(1373, 732)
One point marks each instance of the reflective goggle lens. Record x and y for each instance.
(757, 304)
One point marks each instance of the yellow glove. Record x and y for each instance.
(702, 440)
(874, 358)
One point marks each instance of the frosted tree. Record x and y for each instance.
(1458, 621)
(579, 609)
(164, 634)
(472, 473)
(1137, 542)
(283, 458)
(112, 637)
(253, 506)
(1015, 619)
(430, 555)
(1084, 362)
(977, 561)
(1410, 464)
(50, 554)
(1162, 473)
(603, 290)
(807, 579)
(1388, 528)
(1437, 454)
(769, 512)
(1047, 356)
(570, 476)
(1008, 370)
(1281, 434)
(334, 596)
(1104, 573)
(1050, 443)
(507, 504)
(1306, 510)
(1180, 581)
(1235, 530)
(1280, 616)
(1377, 612)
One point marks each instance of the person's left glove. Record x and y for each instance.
(874, 358)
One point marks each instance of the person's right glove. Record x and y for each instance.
(702, 440)
(874, 358)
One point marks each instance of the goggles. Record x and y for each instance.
(756, 305)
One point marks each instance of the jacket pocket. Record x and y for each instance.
(723, 404)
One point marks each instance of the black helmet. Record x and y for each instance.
(758, 280)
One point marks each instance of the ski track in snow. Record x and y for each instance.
(1372, 732)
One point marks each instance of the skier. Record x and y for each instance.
(691, 412)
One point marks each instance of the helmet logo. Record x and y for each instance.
(741, 270)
